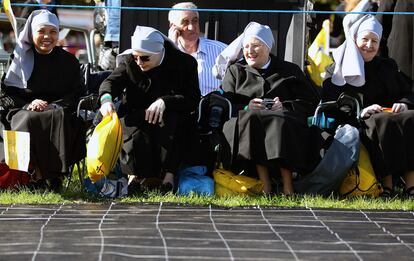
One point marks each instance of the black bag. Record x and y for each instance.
(340, 156)
(339, 152)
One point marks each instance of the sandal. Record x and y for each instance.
(386, 193)
(409, 193)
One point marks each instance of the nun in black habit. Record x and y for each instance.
(158, 85)
(386, 99)
(271, 100)
(42, 87)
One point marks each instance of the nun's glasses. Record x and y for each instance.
(143, 58)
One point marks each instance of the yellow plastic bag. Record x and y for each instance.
(226, 183)
(104, 147)
(361, 181)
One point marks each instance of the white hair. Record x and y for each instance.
(174, 16)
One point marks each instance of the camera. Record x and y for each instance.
(268, 103)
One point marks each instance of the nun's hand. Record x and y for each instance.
(155, 112)
(277, 105)
(399, 107)
(107, 108)
(370, 110)
(37, 105)
(256, 104)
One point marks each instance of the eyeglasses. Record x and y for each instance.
(255, 47)
(144, 58)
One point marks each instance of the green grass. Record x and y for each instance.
(75, 196)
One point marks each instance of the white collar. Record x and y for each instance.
(267, 64)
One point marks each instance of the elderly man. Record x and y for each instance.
(157, 99)
(185, 33)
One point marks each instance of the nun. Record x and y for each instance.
(271, 100)
(385, 96)
(157, 85)
(42, 87)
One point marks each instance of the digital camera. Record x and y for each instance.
(268, 103)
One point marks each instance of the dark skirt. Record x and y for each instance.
(57, 139)
(268, 137)
(390, 140)
(150, 149)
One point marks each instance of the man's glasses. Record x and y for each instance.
(144, 58)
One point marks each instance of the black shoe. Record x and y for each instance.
(56, 184)
(134, 187)
(387, 193)
(166, 187)
(409, 193)
(152, 183)
(37, 185)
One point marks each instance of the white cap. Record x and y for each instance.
(261, 32)
(44, 17)
(147, 40)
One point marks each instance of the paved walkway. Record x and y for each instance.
(171, 232)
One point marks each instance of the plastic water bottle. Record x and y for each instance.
(215, 117)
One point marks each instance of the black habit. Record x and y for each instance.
(264, 136)
(150, 149)
(398, 34)
(389, 137)
(57, 138)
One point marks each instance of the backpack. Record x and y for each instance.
(339, 157)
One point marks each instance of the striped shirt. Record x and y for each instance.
(206, 55)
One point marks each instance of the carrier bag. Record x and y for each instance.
(104, 147)
(340, 156)
(193, 180)
(361, 180)
(228, 183)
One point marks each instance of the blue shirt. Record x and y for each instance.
(206, 55)
(113, 23)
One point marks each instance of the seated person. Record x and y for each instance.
(159, 87)
(43, 85)
(271, 100)
(386, 98)
(185, 33)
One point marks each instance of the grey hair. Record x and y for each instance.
(174, 16)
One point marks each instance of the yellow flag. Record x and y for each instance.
(318, 54)
(9, 12)
(17, 149)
